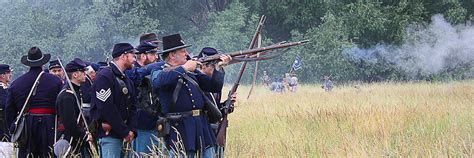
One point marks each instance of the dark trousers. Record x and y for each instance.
(40, 131)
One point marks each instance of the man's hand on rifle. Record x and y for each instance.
(191, 65)
(233, 98)
(89, 137)
(224, 60)
(129, 137)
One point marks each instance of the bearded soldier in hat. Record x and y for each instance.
(5, 77)
(147, 109)
(114, 102)
(40, 110)
(69, 112)
(146, 54)
(182, 101)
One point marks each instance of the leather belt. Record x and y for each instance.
(194, 113)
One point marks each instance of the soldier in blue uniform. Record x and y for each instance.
(5, 77)
(41, 106)
(191, 121)
(208, 69)
(113, 102)
(147, 108)
(68, 110)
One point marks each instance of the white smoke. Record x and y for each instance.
(426, 50)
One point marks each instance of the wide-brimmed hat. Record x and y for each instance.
(150, 37)
(172, 43)
(35, 58)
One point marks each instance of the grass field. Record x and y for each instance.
(374, 120)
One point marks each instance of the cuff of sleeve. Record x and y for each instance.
(180, 70)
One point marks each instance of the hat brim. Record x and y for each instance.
(46, 58)
(55, 66)
(173, 49)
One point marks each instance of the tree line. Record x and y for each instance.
(89, 28)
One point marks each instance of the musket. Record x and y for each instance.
(221, 134)
(81, 116)
(250, 52)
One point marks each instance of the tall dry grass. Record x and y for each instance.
(375, 120)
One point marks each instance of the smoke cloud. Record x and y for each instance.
(427, 49)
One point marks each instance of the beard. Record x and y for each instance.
(128, 65)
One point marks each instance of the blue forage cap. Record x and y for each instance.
(207, 51)
(122, 48)
(76, 65)
(147, 47)
(4, 68)
(54, 64)
(95, 66)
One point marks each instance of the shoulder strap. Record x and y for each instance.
(32, 92)
(176, 94)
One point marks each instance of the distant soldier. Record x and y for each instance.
(5, 77)
(265, 79)
(55, 69)
(40, 114)
(293, 83)
(277, 85)
(286, 82)
(69, 112)
(180, 80)
(114, 102)
(327, 85)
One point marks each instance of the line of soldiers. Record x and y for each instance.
(133, 101)
(289, 83)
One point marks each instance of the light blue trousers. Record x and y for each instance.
(145, 141)
(110, 147)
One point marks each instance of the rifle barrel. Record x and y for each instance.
(253, 51)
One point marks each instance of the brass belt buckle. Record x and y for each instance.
(196, 112)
